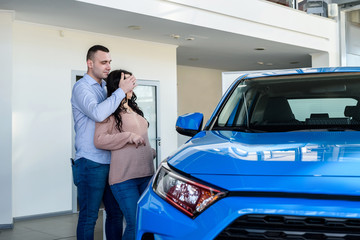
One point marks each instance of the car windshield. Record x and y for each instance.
(326, 101)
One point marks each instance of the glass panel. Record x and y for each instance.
(317, 7)
(146, 99)
(288, 3)
(302, 5)
(230, 113)
(292, 103)
(333, 107)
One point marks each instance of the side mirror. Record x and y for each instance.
(189, 124)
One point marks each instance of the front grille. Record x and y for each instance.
(275, 227)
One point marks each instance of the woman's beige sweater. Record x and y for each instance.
(127, 161)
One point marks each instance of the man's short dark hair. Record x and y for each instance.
(94, 49)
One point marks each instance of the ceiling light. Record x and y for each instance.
(269, 64)
(260, 63)
(134, 27)
(190, 38)
(259, 49)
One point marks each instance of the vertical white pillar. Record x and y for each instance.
(320, 59)
(342, 33)
(6, 61)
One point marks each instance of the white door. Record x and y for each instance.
(147, 99)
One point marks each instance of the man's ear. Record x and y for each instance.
(90, 64)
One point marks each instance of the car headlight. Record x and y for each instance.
(189, 196)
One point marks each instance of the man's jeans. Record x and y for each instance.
(127, 194)
(91, 179)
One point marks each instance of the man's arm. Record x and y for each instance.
(86, 101)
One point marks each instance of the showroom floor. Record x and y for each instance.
(50, 228)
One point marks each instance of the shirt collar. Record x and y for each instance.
(92, 81)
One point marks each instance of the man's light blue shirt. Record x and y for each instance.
(90, 105)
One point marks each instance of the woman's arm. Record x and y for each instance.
(105, 139)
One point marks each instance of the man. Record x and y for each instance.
(91, 165)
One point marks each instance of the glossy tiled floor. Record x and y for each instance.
(50, 228)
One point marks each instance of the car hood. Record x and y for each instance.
(275, 161)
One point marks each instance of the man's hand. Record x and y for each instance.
(127, 84)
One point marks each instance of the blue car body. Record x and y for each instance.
(302, 183)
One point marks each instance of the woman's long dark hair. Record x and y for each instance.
(112, 83)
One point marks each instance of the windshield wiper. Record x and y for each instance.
(340, 129)
(239, 129)
(243, 129)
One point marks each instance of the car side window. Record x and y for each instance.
(231, 109)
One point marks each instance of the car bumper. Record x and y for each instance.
(159, 219)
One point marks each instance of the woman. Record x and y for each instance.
(124, 133)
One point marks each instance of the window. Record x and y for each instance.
(288, 3)
(331, 107)
(291, 103)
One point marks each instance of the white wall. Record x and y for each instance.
(6, 47)
(44, 57)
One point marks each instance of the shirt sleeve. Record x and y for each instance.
(87, 102)
(104, 139)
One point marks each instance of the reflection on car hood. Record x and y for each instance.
(312, 162)
(269, 154)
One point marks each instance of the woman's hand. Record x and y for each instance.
(154, 153)
(138, 141)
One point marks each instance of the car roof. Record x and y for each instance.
(299, 71)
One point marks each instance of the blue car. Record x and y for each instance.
(278, 159)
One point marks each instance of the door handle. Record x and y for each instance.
(158, 140)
